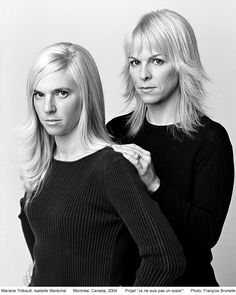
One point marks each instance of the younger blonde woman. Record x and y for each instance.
(84, 203)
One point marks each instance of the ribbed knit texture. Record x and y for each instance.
(81, 225)
(196, 177)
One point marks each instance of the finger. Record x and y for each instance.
(138, 149)
(138, 160)
(130, 154)
(136, 152)
(129, 148)
(120, 148)
(143, 158)
(117, 147)
(141, 163)
(133, 161)
(126, 149)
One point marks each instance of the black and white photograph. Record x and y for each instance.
(118, 150)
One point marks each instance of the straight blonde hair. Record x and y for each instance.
(39, 145)
(172, 34)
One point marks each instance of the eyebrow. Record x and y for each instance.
(62, 88)
(35, 91)
(152, 56)
(55, 90)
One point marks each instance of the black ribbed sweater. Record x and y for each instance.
(79, 227)
(196, 176)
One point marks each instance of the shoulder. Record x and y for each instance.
(119, 120)
(213, 143)
(117, 127)
(108, 156)
(213, 133)
(215, 150)
(109, 160)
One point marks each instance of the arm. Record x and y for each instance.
(28, 233)
(203, 217)
(162, 256)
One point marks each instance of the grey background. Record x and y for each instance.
(26, 26)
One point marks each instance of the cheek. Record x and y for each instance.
(133, 76)
(175, 79)
(37, 109)
(171, 79)
(73, 111)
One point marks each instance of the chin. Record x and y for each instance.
(54, 132)
(151, 100)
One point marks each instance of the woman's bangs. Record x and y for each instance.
(151, 41)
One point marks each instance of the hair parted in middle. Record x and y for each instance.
(172, 35)
(39, 145)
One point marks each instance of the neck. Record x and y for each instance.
(164, 112)
(70, 147)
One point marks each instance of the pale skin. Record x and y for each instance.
(156, 83)
(142, 160)
(57, 103)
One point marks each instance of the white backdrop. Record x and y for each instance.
(27, 26)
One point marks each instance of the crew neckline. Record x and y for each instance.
(80, 159)
(157, 126)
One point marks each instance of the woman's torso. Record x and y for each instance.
(80, 239)
(177, 161)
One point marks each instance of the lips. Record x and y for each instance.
(147, 89)
(52, 122)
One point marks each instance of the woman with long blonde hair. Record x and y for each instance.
(183, 157)
(84, 203)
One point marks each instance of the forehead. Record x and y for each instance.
(150, 43)
(59, 79)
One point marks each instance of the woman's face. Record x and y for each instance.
(154, 77)
(57, 103)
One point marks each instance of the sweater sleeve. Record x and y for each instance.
(162, 256)
(27, 230)
(202, 218)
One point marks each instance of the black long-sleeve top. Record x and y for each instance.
(196, 176)
(79, 227)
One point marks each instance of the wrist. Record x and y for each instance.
(154, 185)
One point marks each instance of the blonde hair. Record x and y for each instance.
(39, 145)
(172, 34)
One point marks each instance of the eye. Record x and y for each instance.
(37, 95)
(134, 62)
(157, 61)
(62, 93)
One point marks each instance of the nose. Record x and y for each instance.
(49, 104)
(145, 73)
